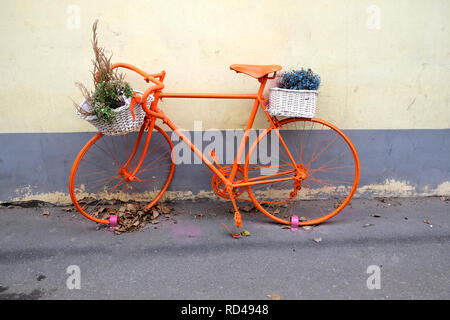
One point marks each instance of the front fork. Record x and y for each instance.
(124, 171)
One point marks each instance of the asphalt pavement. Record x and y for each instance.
(374, 249)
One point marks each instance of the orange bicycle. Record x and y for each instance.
(315, 176)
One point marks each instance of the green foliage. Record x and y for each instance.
(104, 113)
(109, 95)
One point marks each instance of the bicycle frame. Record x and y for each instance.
(155, 113)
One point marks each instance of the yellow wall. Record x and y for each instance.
(388, 74)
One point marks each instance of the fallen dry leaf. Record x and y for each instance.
(367, 225)
(274, 297)
(375, 215)
(155, 214)
(132, 215)
(131, 207)
(105, 216)
(307, 228)
(120, 229)
(86, 200)
(165, 209)
(245, 233)
(317, 240)
(45, 213)
(285, 227)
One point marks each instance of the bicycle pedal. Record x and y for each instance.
(238, 219)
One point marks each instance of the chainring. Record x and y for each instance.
(219, 186)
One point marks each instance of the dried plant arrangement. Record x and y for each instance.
(110, 88)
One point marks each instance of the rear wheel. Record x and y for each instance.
(317, 186)
(100, 182)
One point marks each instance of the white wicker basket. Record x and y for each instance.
(123, 121)
(292, 103)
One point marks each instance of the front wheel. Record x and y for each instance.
(312, 171)
(99, 182)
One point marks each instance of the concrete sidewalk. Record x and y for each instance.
(191, 256)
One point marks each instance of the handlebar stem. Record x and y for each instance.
(148, 78)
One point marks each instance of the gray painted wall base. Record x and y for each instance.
(393, 163)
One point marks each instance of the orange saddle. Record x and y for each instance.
(255, 71)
